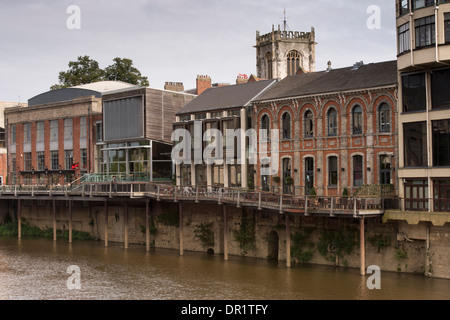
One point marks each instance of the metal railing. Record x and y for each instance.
(333, 205)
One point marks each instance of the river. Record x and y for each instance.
(38, 270)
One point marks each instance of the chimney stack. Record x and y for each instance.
(203, 83)
(241, 78)
(174, 86)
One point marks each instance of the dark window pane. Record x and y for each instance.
(357, 120)
(440, 82)
(414, 92)
(385, 118)
(332, 171)
(357, 171)
(441, 143)
(415, 140)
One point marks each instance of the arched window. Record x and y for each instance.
(294, 62)
(357, 171)
(332, 122)
(286, 118)
(385, 118)
(269, 68)
(309, 124)
(357, 116)
(332, 171)
(265, 126)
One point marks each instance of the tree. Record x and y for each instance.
(123, 70)
(86, 70)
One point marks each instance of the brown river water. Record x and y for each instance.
(38, 270)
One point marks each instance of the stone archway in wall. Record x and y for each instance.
(273, 245)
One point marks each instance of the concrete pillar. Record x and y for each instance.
(106, 223)
(363, 247)
(225, 233)
(180, 209)
(54, 220)
(126, 225)
(70, 221)
(288, 240)
(19, 219)
(147, 224)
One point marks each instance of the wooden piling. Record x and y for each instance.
(147, 224)
(126, 225)
(225, 233)
(54, 220)
(19, 219)
(106, 224)
(70, 221)
(180, 209)
(363, 247)
(288, 241)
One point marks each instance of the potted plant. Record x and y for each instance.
(289, 181)
(276, 179)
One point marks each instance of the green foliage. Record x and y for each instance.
(205, 234)
(170, 218)
(313, 193)
(345, 192)
(289, 180)
(276, 179)
(245, 235)
(380, 241)
(302, 247)
(401, 254)
(334, 244)
(11, 230)
(86, 70)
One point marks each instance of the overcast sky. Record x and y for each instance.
(176, 40)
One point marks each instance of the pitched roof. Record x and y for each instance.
(337, 80)
(232, 96)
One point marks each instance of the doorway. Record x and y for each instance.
(309, 175)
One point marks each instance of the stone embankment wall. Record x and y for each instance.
(393, 246)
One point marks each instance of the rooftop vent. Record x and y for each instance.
(358, 65)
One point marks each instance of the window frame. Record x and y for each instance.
(425, 32)
(333, 172)
(286, 121)
(332, 126)
(385, 126)
(309, 124)
(357, 116)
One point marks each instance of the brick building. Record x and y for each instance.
(337, 129)
(53, 139)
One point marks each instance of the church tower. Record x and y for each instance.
(282, 53)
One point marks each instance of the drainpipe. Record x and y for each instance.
(436, 10)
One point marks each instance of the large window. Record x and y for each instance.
(441, 195)
(83, 127)
(357, 116)
(12, 138)
(403, 38)
(309, 124)
(2, 138)
(385, 118)
(41, 161)
(27, 132)
(68, 129)
(294, 60)
(441, 143)
(440, 95)
(40, 132)
(416, 195)
(286, 125)
(385, 170)
(414, 92)
(447, 27)
(265, 127)
(357, 171)
(332, 171)
(415, 144)
(55, 160)
(27, 161)
(425, 32)
(332, 122)
(68, 159)
(54, 130)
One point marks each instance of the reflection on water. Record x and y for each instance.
(37, 269)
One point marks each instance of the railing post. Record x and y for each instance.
(306, 206)
(220, 197)
(110, 189)
(354, 208)
(259, 201)
(65, 190)
(281, 203)
(82, 190)
(332, 207)
(90, 190)
(50, 191)
(32, 190)
(196, 194)
(239, 199)
(175, 190)
(15, 190)
(157, 195)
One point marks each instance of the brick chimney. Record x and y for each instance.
(241, 78)
(174, 86)
(203, 83)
